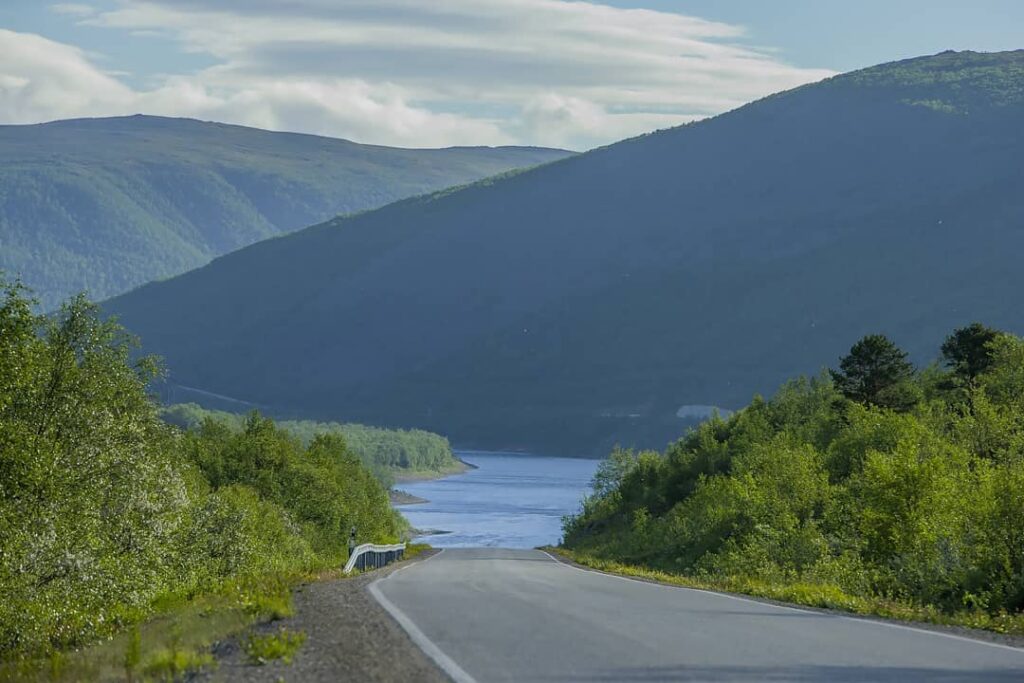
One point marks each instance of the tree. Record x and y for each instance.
(968, 352)
(104, 508)
(876, 372)
(612, 470)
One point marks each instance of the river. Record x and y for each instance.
(509, 501)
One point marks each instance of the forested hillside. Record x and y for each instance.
(591, 300)
(108, 515)
(876, 488)
(385, 452)
(103, 205)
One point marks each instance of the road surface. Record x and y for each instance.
(518, 615)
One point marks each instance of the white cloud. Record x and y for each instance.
(41, 79)
(551, 119)
(73, 8)
(348, 108)
(445, 72)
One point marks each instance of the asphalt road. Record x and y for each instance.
(519, 615)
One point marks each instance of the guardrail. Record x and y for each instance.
(370, 556)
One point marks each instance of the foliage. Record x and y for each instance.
(106, 512)
(384, 452)
(968, 351)
(280, 645)
(170, 665)
(876, 372)
(184, 626)
(323, 488)
(952, 82)
(922, 508)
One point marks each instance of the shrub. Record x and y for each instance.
(281, 645)
(106, 512)
(920, 502)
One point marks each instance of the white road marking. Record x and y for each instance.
(447, 664)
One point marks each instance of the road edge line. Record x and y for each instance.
(849, 617)
(446, 663)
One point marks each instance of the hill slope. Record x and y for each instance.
(107, 204)
(586, 301)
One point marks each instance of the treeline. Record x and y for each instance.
(105, 510)
(383, 451)
(875, 480)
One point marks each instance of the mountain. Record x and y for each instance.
(107, 204)
(594, 299)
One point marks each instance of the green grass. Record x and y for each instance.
(170, 644)
(414, 549)
(808, 594)
(178, 639)
(171, 664)
(269, 599)
(281, 645)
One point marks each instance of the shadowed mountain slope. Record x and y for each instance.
(584, 302)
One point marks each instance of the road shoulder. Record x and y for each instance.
(349, 636)
(942, 629)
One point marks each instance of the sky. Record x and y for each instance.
(433, 73)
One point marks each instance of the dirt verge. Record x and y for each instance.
(349, 637)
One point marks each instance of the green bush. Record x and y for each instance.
(106, 511)
(383, 451)
(921, 503)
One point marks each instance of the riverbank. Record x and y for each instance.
(422, 533)
(399, 497)
(457, 467)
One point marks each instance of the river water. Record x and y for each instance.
(509, 501)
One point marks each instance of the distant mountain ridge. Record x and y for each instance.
(586, 302)
(106, 204)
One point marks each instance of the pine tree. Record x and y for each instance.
(876, 372)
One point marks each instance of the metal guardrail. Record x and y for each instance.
(370, 556)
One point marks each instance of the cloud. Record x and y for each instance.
(73, 8)
(573, 74)
(552, 119)
(41, 79)
(349, 108)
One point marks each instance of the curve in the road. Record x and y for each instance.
(519, 615)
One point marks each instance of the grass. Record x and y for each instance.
(161, 649)
(172, 664)
(809, 594)
(175, 641)
(411, 551)
(178, 639)
(414, 549)
(281, 645)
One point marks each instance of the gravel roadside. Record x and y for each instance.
(348, 637)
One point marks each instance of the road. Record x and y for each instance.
(518, 615)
